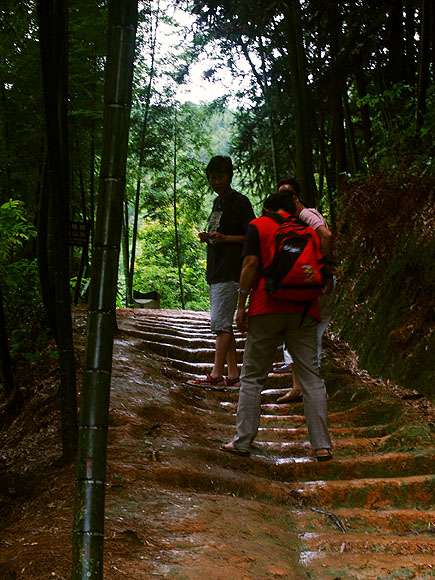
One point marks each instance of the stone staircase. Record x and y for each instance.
(368, 514)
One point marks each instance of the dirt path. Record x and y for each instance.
(179, 508)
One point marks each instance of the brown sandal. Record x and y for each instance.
(323, 456)
(232, 382)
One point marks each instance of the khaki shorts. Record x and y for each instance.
(223, 302)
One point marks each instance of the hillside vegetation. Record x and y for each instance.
(386, 298)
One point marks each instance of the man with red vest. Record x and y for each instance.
(270, 321)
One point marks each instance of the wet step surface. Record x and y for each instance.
(368, 513)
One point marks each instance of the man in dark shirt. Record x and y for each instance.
(225, 235)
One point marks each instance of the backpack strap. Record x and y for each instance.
(278, 218)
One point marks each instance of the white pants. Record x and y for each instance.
(326, 305)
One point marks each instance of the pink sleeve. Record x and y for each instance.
(312, 217)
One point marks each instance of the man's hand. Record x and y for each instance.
(328, 286)
(217, 238)
(203, 237)
(241, 318)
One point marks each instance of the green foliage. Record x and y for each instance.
(14, 229)
(399, 146)
(20, 284)
(156, 267)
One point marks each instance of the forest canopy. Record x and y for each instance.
(337, 94)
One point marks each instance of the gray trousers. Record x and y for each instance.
(265, 333)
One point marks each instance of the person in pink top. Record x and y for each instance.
(314, 219)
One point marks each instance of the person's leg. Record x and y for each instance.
(302, 341)
(264, 335)
(295, 391)
(326, 305)
(225, 352)
(231, 358)
(286, 355)
(223, 301)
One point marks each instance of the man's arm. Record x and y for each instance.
(218, 238)
(325, 237)
(326, 246)
(247, 277)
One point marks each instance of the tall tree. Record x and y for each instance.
(153, 43)
(424, 60)
(302, 98)
(10, 391)
(175, 209)
(94, 408)
(52, 20)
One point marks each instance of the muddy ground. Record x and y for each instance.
(178, 508)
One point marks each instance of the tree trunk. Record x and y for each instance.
(361, 86)
(52, 21)
(424, 60)
(126, 258)
(94, 409)
(9, 390)
(337, 88)
(45, 255)
(177, 242)
(350, 135)
(141, 159)
(303, 112)
(395, 43)
(5, 195)
(410, 30)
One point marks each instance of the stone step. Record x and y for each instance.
(391, 465)
(394, 521)
(297, 433)
(304, 467)
(415, 492)
(366, 566)
(380, 543)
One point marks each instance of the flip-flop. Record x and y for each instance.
(208, 381)
(235, 451)
(282, 369)
(291, 397)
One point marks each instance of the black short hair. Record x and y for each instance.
(281, 200)
(291, 181)
(220, 164)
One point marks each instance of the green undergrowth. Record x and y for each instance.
(346, 393)
(386, 301)
(408, 437)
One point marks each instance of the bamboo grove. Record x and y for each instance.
(94, 137)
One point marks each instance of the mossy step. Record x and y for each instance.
(381, 493)
(212, 395)
(169, 328)
(347, 566)
(179, 355)
(336, 541)
(395, 521)
(351, 418)
(276, 434)
(342, 447)
(306, 468)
